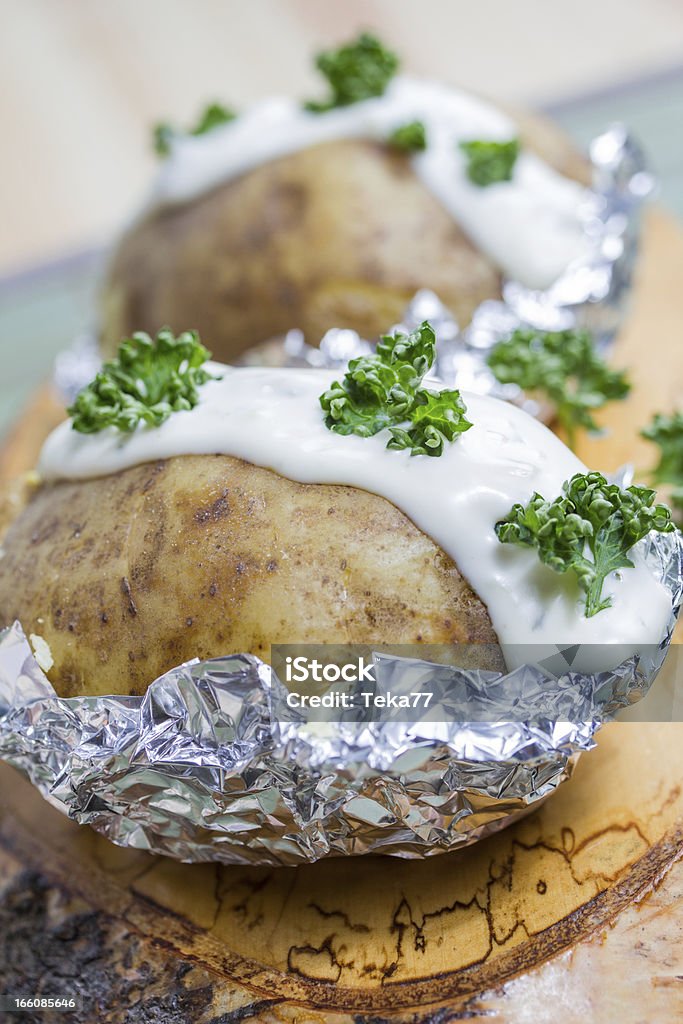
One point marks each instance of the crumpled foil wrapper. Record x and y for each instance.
(202, 769)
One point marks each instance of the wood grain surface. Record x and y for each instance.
(569, 915)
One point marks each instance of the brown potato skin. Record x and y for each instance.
(339, 235)
(127, 575)
(342, 234)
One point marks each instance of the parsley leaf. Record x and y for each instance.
(211, 117)
(163, 134)
(489, 162)
(357, 71)
(437, 417)
(566, 367)
(589, 530)
(667, 433)
(409, 137)
(384, 390)
(146, 382)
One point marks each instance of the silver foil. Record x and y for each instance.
(201, 769)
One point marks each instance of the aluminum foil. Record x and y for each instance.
(202, 769)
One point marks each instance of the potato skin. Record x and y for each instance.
(127, 575)
(339, 235)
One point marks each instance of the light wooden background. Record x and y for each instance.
(81, 81)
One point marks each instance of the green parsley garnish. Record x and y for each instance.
(489, 162)
(667, 433)
(357, 71)
(146, 382)
(163, 134)
(211, 117)
(589, 529)
(385, 391)
(409, 137)
(566, 367)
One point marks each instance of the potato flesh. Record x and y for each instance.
(127, 575)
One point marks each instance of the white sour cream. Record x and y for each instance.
(530, 227)
(272, 418)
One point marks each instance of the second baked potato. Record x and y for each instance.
(340, 234)
(282, 218)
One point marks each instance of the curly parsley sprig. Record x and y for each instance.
(385, 390)
(667, 433)
(146, 382)
(211, 117)
(588, 530)
(410, 137)
(489, 162)
(566, 367)
(357, 71)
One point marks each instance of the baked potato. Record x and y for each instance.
(191, 509)
(336, 233)
(342, 234)
(127, 575)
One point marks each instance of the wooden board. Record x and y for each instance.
(538, 923)
(372, 936)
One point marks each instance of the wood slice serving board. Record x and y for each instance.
(573, 914)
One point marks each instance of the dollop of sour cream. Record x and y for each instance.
(272, 418)
(530, 227)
